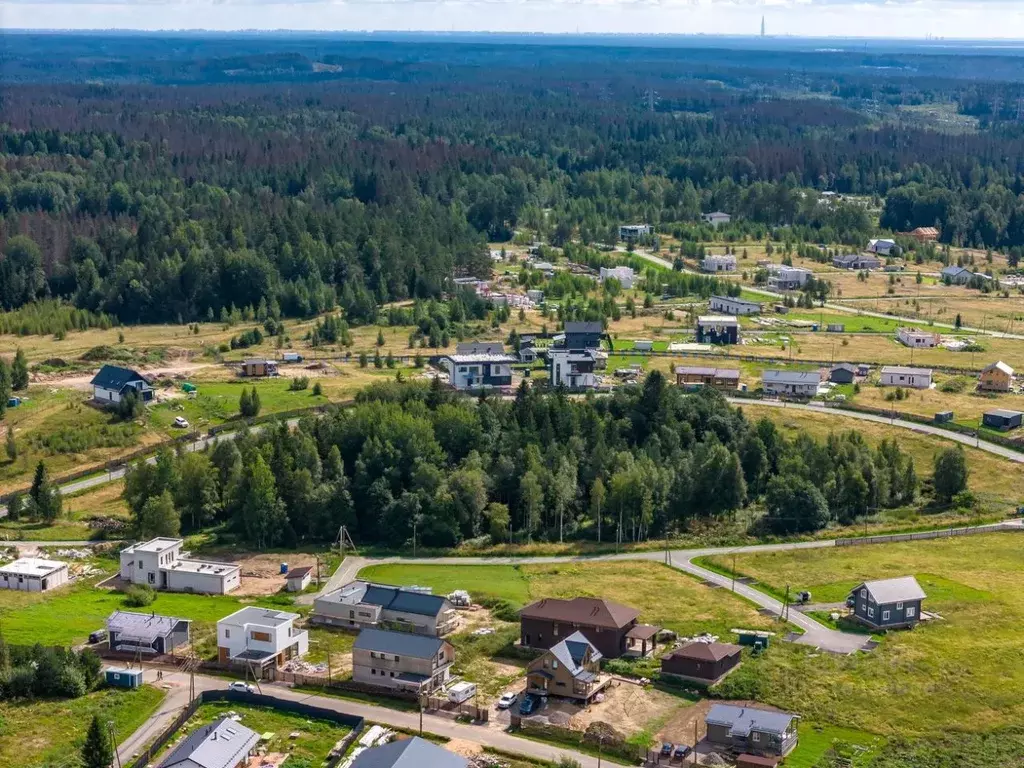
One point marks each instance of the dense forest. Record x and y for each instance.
(152, 179)
(415, 459)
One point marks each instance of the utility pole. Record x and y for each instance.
(733, 571)
(415, 522)
(785, 606)
(113, 741)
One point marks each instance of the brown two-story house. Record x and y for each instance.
(571, 669)
(612, 628)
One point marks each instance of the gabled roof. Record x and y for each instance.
(221, 744)
(576, 326)
(587, 611)
(897, 590)
(706, 651)
(572, 652)
(791, 377)
(409, 753)
(954, 270)
(480, 348)
(1000, 366)
(742, 720)
(142, 626)
(905, 371)
(116, 378)
(399, 643)
(388, 597)
(845, 367)
(737, 300)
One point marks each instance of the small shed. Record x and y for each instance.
(757, 761)
(119, 677)
(943, 417)
(754, 638)
(1002, 419)
(643, 345)
(299, 578)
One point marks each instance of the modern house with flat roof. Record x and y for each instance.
(718, 329)
(613, 628)
(856, 261)
(751, 730)
(791, 383)
(887, 603)
(257, 367)
(160, 564)
(223, 743)
(147, 633)
(911, 337)
(570, 669)
(573, 368)
(789, 278)
(481, 370)
(716, 218)
(401, 660)
(260, 638)
(625, 275)
(33, 574)
(730, 305)
(362, 605)
(901, 376)
(1000, 418)
(113, 382)
(630, 232)
(719, 263)
(409, 753)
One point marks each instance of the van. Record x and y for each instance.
(461, 692)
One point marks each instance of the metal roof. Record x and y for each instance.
(893, 590)
(577, 326)
(399, 643)
(298, 573)
(586, 611)
(706, 651)
(791, 377)
(481, 357)
(717, 320)
(733, 300)
(116, 378)
(32, 566)
(480, 347)
(999, 366)
(388, 597)
(221, 744)
(572, 652)
(409, 753)
(142, 626)
(742, 720)
(1003, 413)
(721, 373)
(900, 369)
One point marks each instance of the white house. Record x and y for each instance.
(535, 295)
(899, 376)
(624, 275)
(112, 383)
(263, 637)
(728, 305)
(911, 337)
(160, 564)
(572, 368)
(482, 370)
(794, 383)
(715, 218)
(33, 574)
(721, 263)
(789, 278)
(635, 231)
(882, 247)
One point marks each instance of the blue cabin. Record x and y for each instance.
(119, 677)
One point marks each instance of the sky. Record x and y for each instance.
(959, 19)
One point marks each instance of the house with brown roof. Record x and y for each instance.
(694, 377)
(570, 669)
(925, 234)
(612, 628)
(701, 662)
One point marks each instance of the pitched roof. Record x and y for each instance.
(576, 326)
(115, 378)
(391, 598)
(953, 270)
(717, 320)
(737, 300)
(298, 573)
(409, 753)
(399, 643)
(706, 651)
(721, 373)
(906, 371)
(791, 377)
(999, 366)
(588, 611)
(893, 590)
(742, 720)
(221, 744)
(845, 367)
(572, 652)
(480, 348)
(143, 626)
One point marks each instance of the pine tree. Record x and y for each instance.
(97, 751)
(245, 403)
(19, 371)
(255, 399)
(14, 507)
(12, 447)
(40, 482)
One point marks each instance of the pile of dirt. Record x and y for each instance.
(599, 732)
(463, 747)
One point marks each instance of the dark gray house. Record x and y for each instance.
(409, 753)
(718, 329)
(844, 373)
(887, 604)
(147, 633)
(750, 730)
(1002, 419)
(583, 335)
(479, 348)
(113, 382)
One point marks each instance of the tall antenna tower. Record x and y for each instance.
(762, 27)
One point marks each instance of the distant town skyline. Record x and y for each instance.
(956, 19)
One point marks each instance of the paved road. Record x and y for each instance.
(489, 736)
(998, 450)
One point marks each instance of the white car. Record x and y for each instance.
(507, 700)
(238, 685)
(181, 422)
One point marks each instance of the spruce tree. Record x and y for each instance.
(97, 751)
(19, 371)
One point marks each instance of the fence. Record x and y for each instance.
(324, 681)
(239, 697)
(943, 533)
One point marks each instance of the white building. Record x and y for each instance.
(789, 278)
(898, 376)
(918, 339)
(882, 247)
(715, 218)
(792, 383)
(535, 295)
(483, 370)
(727, 305)
(113, 382)
(159, 563)
(33, 574)
(625, 275)
(721, 263)
(635, 231)
(263, 637)
(573, 368)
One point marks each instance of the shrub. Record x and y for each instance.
(955, 384)
(139, 596)
(299, 383)
(318, 389)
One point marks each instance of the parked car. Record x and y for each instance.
(681, 751)
(528, 705)
(507, 700)
(666, 749)
(238, 685)
(181, 422)
(98, 636)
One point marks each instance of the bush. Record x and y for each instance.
(299, 383)
(955, 384)
(139, 596)
(318, 389)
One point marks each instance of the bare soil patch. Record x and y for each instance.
(261, 574)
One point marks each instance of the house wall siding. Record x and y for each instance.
(540, 633)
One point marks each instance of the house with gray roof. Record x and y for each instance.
(887, 603)
(362, 604)
(569, 669)
(220, 744)
(401, 661)
(113, 382)
(146, 633)
(751, 730)
(791, 383)
(409, 753)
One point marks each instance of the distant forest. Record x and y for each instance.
(173, 179)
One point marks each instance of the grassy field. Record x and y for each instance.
(314, 740)
(997, 480)
(960, 673)
(48, 734)
(816, 740)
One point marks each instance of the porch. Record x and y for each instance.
(641, 640)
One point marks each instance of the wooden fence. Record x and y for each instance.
(943, 533)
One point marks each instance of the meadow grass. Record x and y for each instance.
(816, 740)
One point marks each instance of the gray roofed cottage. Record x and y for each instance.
(752, 730)
(221, 744)
(401, 643)
(409, 753)
(887, 603)
(570, 668)
(401, 660)
(364, 604)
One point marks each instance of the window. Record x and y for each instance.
(392, 674)
(151, 577)
(398, 658)
(554, 663)
(871, 612)
(899, 606)
(755, 736)
(911, 612)
(885, 615)
(373, 654)
(227, 633)
(863, 593)
(556, 630)
(263, 637)
(373, 671)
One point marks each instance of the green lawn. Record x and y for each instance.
(49, 733)
(506, 582)
(625, 361)
(315, 737)
(816, 740)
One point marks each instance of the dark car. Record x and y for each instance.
(666, 749)
(528, 705)
(98, 636)
(681, 751)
